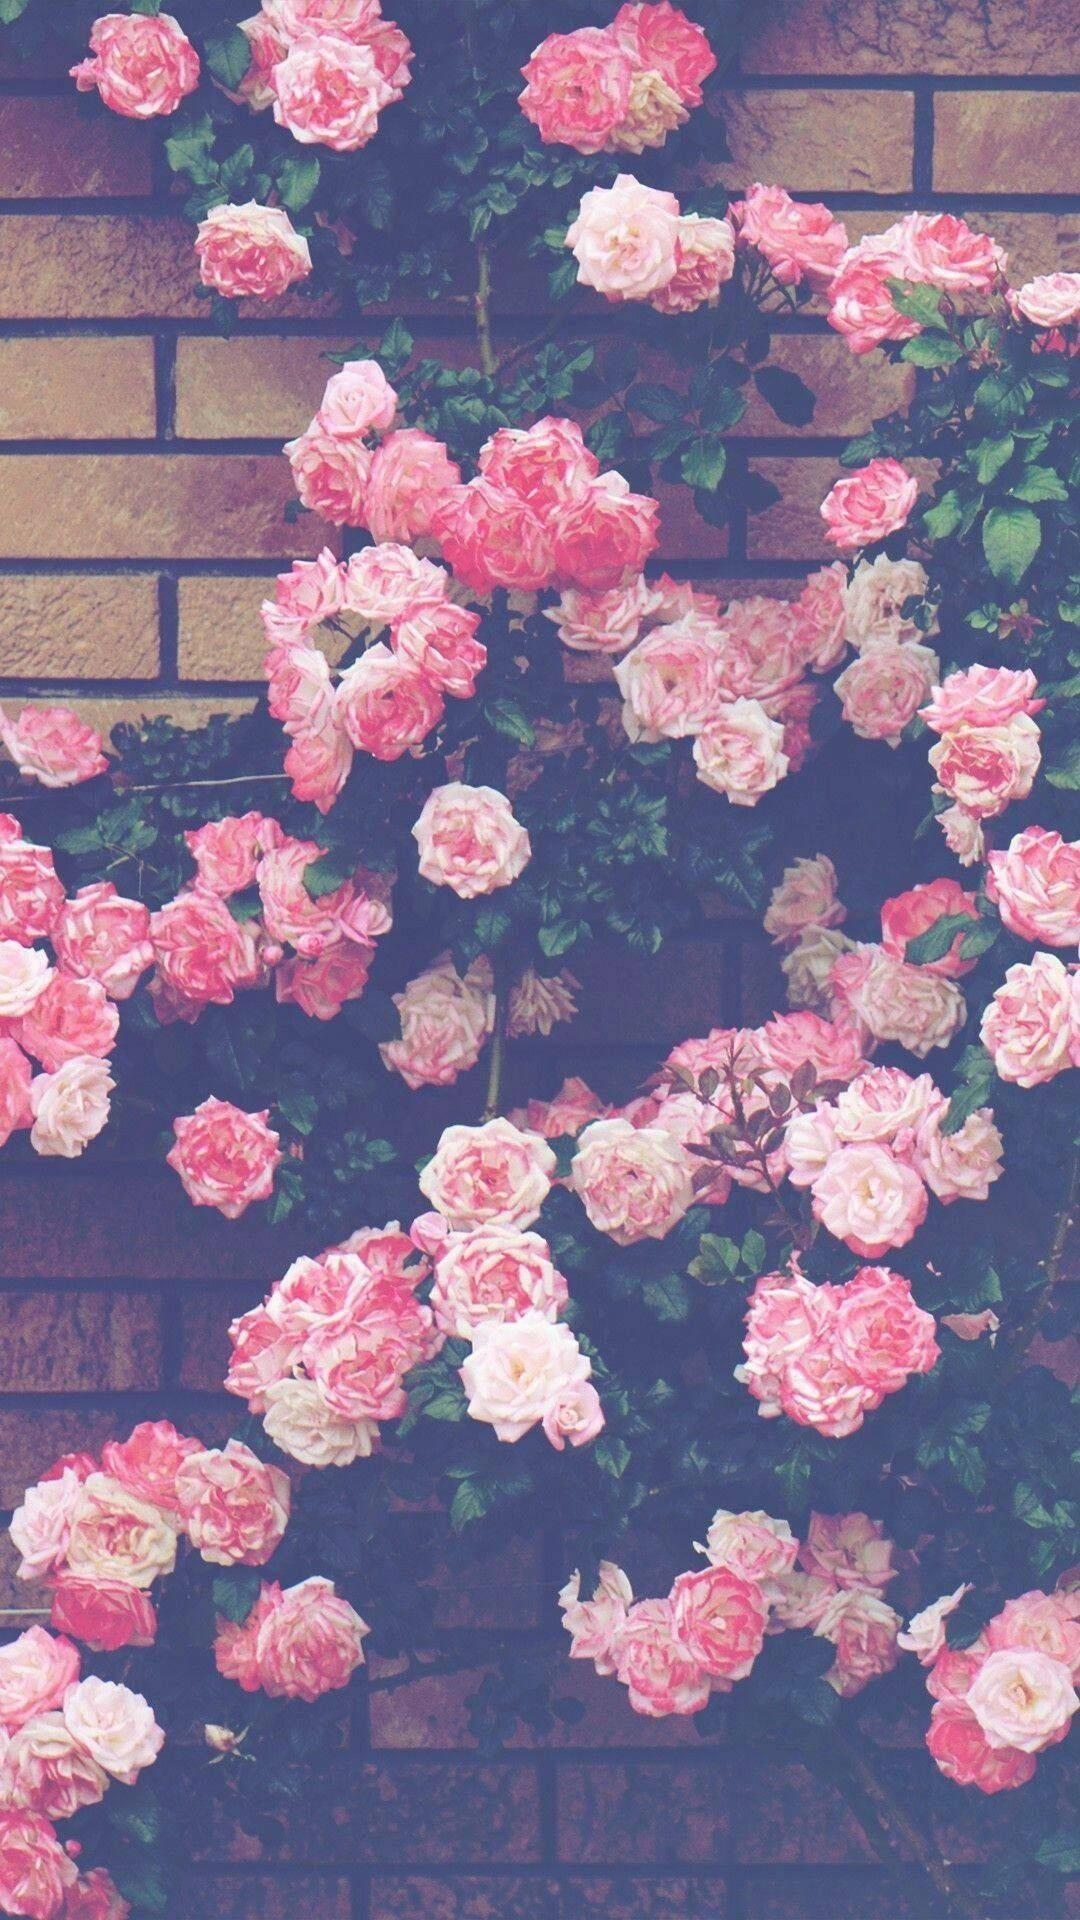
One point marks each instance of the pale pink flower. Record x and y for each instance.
(329, 92)
(358, 400)
(70, 1107)
(740, 752)
(1032, 1025)
(53, 746)
(115, 1535)
(704, 262)
(36, 1671)
(321, 986)
(35, 1872)
(876, 595)
(46, 1769)
(233, 1507)
(1051, 300)
(308, 1641)
(863, 1629)
(469, 840)
(821, 620)
(1041, 1621)
(802, 241)
(868, 504)
(605, 622)
(116, 1727)
(1035, 881)
(653, 1664)
(331, 475)
(299, 1422)
(635, 1183)
(227, 852)
(385, 705)
(961, 1165)
(915, 1006)
(653, 110)
(848, 1549)
(752, 1545)
(41, 1527)
(860, 304)
(1022, 1699)
(537, 1003)
(25, 974)
(624, 239)
(445, 1023)
(31, 896)
(250, 252)
(412, 478)
(594, 1625)
(490, 1173)
(925, 1633)
(985, 768)
(575, 1415)
(518, 1370)
(142, 64)
(868, 1199)
(388, 582)
(805, 896)
(719, 1619)
(907, 915)
(671, 681)
(982, 697)
(883, 688)
(202, 953)
(494, 1273)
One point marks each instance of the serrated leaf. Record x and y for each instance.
(930, 350)
(612, 1455)
(667, 1296)
(917, 302)
(80, 839)
(987, 457)
(324, 875)
(1060, 1852)
(235, 1592)
(1011, 538)
(298, 180)
(511, 721)
(943, 518)
(228, 56)
(705, 462)
(754, 1251)
(1039, 483)
(658, 403)
(937, 940)
(1066, 771)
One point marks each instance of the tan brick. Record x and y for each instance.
(158, 506)
(910, 36)
(75, 626)
(256, 388)
(61, 1341)
(65, 387)
(1004, 142)
(793, 529)
(221, 635)
(818, 141)
(49, 149)
(849, 390)
(185, 709)
(94, 266)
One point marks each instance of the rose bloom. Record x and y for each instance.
(148, 1461)
(445, 1022)
(575, 1415)
(962, 1752)
(800, 240)
(880, 1333)
(95, 1897)
(36, 1671)
(985, 768)
(961, 1165)
(907, 915)
(878, 591)
(964, 835)
(385, 706)
(202, 953)
(603, 536)
(24, 975)
(469, 840)
(358, 400)
(518, 1369)
(494, 1273)
(1035, 881)
(538, 1002)
(565, 1114)
(594, 1625)
(848, 1549)
(659, 38)
(606, 622)
(142, 65)
(299, 1422)
(860, 304)
(1022, 1698)
(544, 465)
(53, 746)
(233, 1507)
(941, 250)
(740, 752)
(752, 1545)
(915, 1006)
(290, 913)
(820, 618)
(115, 1535)
(1041, 1621)
(115, 1725)
(35, 1871)
(704, 262)
(807, 968)
(71, 1018)
(634, 1182)
(868, 504)
(104, 1614)
(1032, 1025)
(863, 1629)
(789, 1040)
(869, 1200)
(226, 852)
(885, 1104)
(31, 896)
(625, 239)
(884, 687)
(250, 252)
(652, 1662)
(654, 110)
(804, 897)
(225, 1158)
(330, 93)
(1051, 300)
(412, 477)
(387, 582)
(309, 1643)
(671, 681)
(492, 537)
(719, 1619)
(331, 475)
(925, 1635)
(15, 1078)
(46, 1769)
(41, 1527)
(438, 641)
(490, 1173)
(982, 697)
(577, 88)
(70, 1107)
(322, 986)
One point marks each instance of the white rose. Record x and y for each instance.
(115, 1725)
(298, 1420)
(70, 1106)
(875, 594)
(24, 975)
(517, 1369)
(116, 1536)
(1023, 1699)
(809, 964)
(804, 898)
(741, 752)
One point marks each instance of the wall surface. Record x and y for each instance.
(141, 489)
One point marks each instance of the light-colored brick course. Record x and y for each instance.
(65, 626)
(75, 387)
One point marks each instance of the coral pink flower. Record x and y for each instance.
(148, 1461)
(545, 465)
(438, 641)
(1032, 1025)
(225, 1158)
(304, 1642)
(31, 896)
(72, 1018)
(868, 504)
(142, 65)
(36, 1671)
(494, 1273)
(594, 1625)
(330, 93)
(880, 1333)
(250, 252)
(53, 746)
(603, 536)
(385, 706)
(233, 1507)
(412, 478)
(311, 591)
(101, 936)
(660, 39)
(963, 1754)
(719, 1618)
(652, 1662)
(104, 1614)
(35, 1871)
(227, 852)
(907, 915)
(492, 537)
(202, 953)
(821, 618)
(800, 240)
(577, 88)
(15, 1077)
(1036, 884)
(321, 987)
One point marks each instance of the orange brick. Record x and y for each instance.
(1004, 142)
(880, 36)
(67, 387)
(818, 141)
(849, 391)
(159, 506)
(76, 1342)
(75, 627)
(51, 149)
(30, 1440)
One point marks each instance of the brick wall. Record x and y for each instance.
(141, 490)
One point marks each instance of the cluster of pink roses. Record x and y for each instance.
(447, 1018)
(633, 242)
(328, 68)
(1005, 1697)
(1031, 1027)
(621, 88)
(926, 249)
(100, 1534)
(827, 1355)
(62, 1738)
(988, 749)
(869, 504)
(39, 1878)
(873, 984)
(323, 1359)
(672, 1654)
(297, 1643)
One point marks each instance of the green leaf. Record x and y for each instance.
(979, 939)
(469, 1504)
(448, 1404)
(1011, 538)
(931, 350)
(1039, 483)
(80, 839)
(1066, 772)
(297, 180)
(917, 302)
(324, 875)
(228, 56)
(976, 1077)
(612, 1455)
(656, 403)
(667, 1296)
(789, 397)
(300, 1108)
(754, 1251)
(235, 1592)
(1060, 1852)
(11, 10)
(987, 457)
(937, 940)
(142, 1879)
(511, 721)
(395, 347)
(942, 519)
(704, 463)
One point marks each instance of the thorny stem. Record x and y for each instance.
(892, 1818)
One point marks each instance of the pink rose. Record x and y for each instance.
(1036, 884)
(330, 93)
(961, 1165)
(70, 1107)
(412, 478)
(804, 897)
(227, 852)
(658, 37)
(35, 1872)
(290, 914)
(31, 896)
(493, 537)
(907, 915)
(740, 752)
(438, 641)
(46, 1770)
(752, 1545)
(148, 1461)
(941, 250)
(266, 47)
(445, 1024)
(603, 536)
(884, 687)
(963, 1753)
(577, 88)
(25, 974)
(704, 262)
(1022, 1699)
(388, 582)
(41, 1527)
(800, 240)
(1051, 300)
(225, 1158)
(1032, 1025)
(544, 465)
(36, 1671)
(318, 762)
(143, 64)
(624, 239)
(202, 953)
(359, 1360)
(115, 1535)
(594, 1625)
(71, 1018)
(331, 475)
(719, 1619)
(53, 746)
(849, 1550)
(915, 1006)
(876, 596)
(250, 252)
(101, 936)
(352, 20)
(635, 1183)
(309, 1642)
(652, 1662)
(879, 1333)
(821, 618)
(469, 840)
(311, 591)
(863, 1629)
(790, 1040)
(575, 1415)
(982, 697)
(653, 110)
(116, 1727)
(518, 1370)
(860, 304)
(787, 1315)
(925, 1634)
(233, 1507)
(95, 1897)
(104, 1614)
(15, 1077)
(1041, 1621)
(322, 986)
(885, 1104)
(358, 400)
(606, 622)
(490, 1173)
(868, 504)
(671, 681)
(385, 706)
(869, 1200)
(984, 768)
(494, 1273)
(565, 1114)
